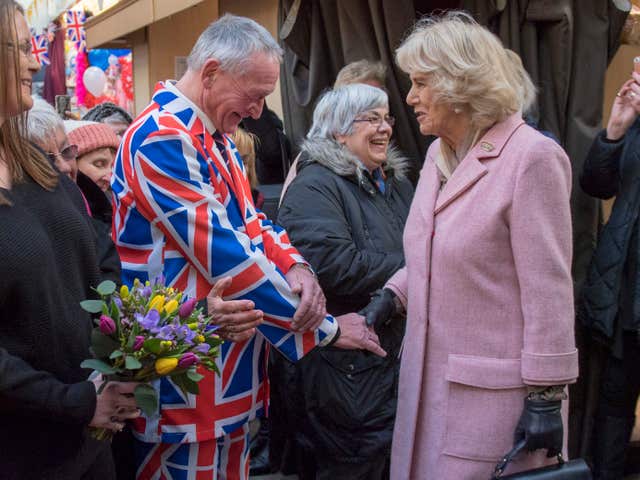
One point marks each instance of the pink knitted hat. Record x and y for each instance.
(89, 136)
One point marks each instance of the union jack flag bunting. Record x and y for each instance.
(39, 47)
(75, 28)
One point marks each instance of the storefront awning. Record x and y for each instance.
(128, 16)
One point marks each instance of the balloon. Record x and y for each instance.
(113, 60)
(94, 80)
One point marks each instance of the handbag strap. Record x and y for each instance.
(501, 466)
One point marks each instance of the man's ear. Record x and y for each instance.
(341, 139)
(209, 71)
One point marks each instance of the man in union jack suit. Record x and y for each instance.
(183, 209)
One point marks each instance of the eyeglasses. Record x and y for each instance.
(23, 47)
(68, 153)
(376, 120)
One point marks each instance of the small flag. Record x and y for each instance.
(75, 27)
(39, 46)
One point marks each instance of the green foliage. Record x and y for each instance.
(106, 288)
(146, 399)
(92, 306)
(98, 365)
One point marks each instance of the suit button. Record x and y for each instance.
(351, 367)
(349, 376)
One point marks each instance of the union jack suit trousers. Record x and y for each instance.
(183, 209)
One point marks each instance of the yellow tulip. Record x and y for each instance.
(157, 302)
(165, 366)
(199, 338)
(124, 292)
(193, 326)
(170, 291)
(171, 306)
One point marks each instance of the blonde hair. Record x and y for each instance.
(467, 68)
(361, 71)
(21, 157)
(246, 145)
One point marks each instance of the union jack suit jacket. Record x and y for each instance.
(183, 209)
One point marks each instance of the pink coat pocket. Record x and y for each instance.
(484, 402)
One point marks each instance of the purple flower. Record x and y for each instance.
(146, 291)
(211, 328)
(167, 333)
(118, 303)
(137, 345)
(107, 325)
(187, 360)
(149, 321)
(203, 348)
(186, 308)
(159, 280)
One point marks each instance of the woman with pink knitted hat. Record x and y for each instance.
(97, 146)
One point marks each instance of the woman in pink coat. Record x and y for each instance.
(487, 285)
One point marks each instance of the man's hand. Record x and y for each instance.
(355, 334)
(237, 319)
(312, 308)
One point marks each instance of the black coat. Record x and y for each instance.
(351, 234)
(101, 215)
(48, 265)
(613, 169)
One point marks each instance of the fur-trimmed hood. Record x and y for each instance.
(341, 161)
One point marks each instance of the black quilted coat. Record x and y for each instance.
(613, 169)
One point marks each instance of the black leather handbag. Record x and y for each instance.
(564, 470)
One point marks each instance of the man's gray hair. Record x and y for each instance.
(337, 109)
(232, 40)
(42, 122)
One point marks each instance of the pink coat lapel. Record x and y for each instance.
(471, 169)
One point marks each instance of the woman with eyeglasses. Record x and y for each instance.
(47, 266)
(345, 211)
(46, 129)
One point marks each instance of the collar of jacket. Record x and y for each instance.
(342, 162)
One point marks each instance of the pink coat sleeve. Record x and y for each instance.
(540, 221)
(398, 285)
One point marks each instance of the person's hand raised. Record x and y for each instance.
(625, 109)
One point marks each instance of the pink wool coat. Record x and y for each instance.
(489, 297)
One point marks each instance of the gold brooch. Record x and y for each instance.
(486, 146)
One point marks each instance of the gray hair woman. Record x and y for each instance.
(45, 128)
(345, 212)
(487, 283)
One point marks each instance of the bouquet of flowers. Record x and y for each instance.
(146, 333)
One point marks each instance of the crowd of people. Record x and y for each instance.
(411, 331)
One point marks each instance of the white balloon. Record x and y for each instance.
(113, 60)
(94, 80)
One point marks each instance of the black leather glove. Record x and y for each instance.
(540, 426)
(381, 307)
